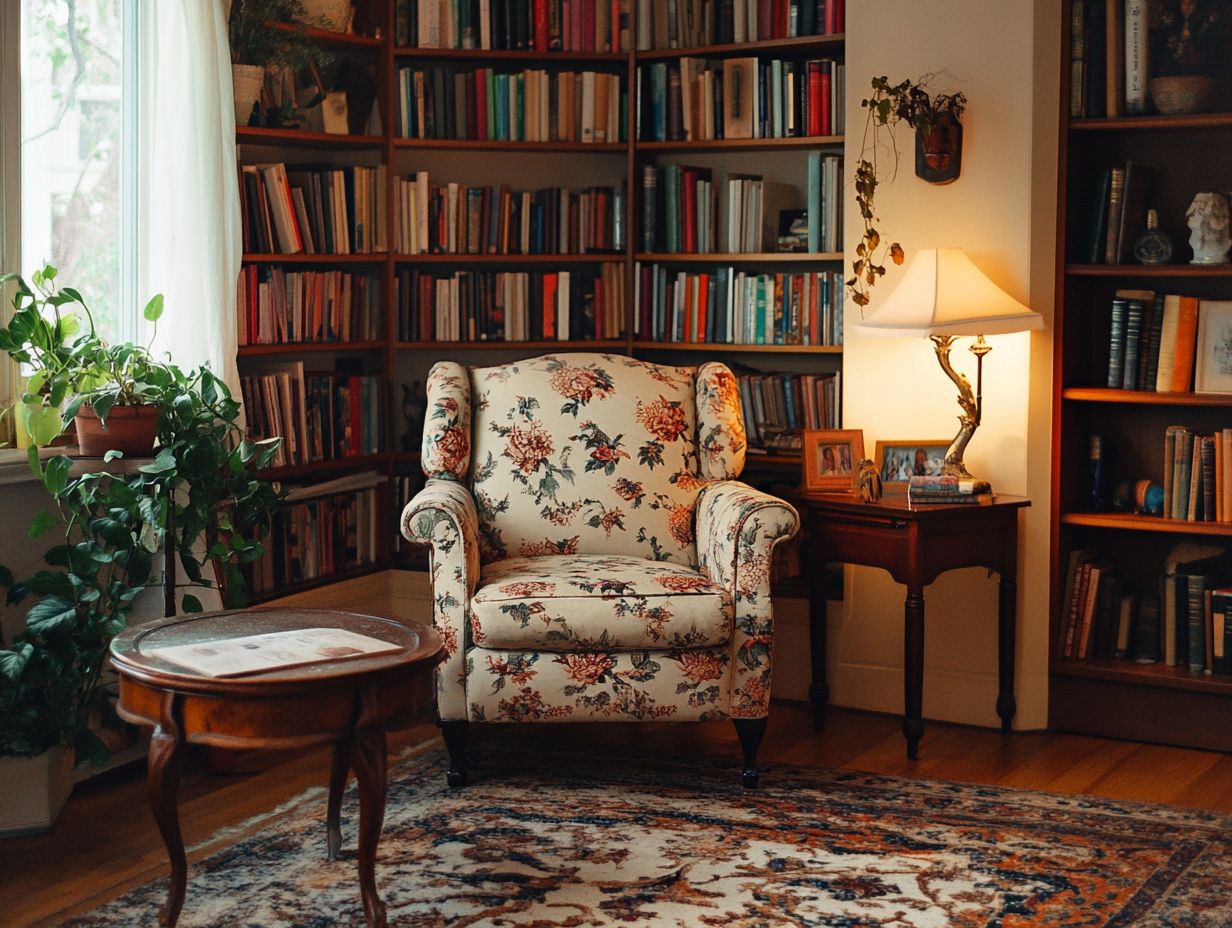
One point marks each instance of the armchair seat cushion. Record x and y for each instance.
(597, 602)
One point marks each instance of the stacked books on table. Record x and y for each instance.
(946, 489)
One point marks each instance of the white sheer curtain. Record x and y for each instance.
(190, 233)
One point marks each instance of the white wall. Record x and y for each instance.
(1005, 58)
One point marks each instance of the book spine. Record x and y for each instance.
(1137, 44)
(1133, 337)
(1116, 343)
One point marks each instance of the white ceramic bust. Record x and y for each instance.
(1208, 228)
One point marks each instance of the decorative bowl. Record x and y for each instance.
(1180, 94)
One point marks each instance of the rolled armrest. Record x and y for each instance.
(737, 529)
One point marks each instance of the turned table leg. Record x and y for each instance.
(1007, 705)
(370, 758)
(913, 670)
(340, 766)
(162, 782)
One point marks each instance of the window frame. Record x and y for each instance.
(10, 186)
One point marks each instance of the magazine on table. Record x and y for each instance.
(235, 657)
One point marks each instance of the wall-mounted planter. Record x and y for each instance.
(938, 154)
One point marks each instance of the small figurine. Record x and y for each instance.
(869, 481)
(1208, 226)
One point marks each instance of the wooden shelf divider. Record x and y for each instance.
(1144, 397)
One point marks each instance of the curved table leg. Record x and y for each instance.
(339, 768)
(370, 758)
(162, 782)
(913, 670)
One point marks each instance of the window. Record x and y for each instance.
(78, 144)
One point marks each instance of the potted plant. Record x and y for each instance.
(257, 44)
(201, 489)
(935, 120)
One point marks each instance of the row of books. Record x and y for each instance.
(1117, 211)
(456, 219)
(319, 416)
(776, 407)
(726, 306)
(1197, 475)
(686, 211)
(531, 105)
(277, 306)
(690, 23)
(514, 25)
(511, 305)
(739, 98)
(1106, 613)
(324, 529)
(332, 211)
(1166, 343)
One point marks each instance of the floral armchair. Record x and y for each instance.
(593, 555)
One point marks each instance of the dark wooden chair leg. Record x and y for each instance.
(750, 732)
(454, 733)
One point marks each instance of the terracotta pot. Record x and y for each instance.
(130, 429)
(938, 155)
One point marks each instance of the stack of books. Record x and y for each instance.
(337, 211)
(690, 23)
(514, 25)
(946, 489)
(278, 306)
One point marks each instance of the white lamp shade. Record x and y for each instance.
(944, 293)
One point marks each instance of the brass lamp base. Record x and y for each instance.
(971, 405)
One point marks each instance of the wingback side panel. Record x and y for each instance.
(447, 427)
(720, 427)
(585, 454)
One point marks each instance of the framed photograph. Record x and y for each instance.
(1213, 370)
(896, 461)
(830, 459)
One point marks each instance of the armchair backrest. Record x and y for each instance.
(584, 453)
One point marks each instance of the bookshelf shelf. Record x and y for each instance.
(576, 345)
(354, 462)
(767, 257)
(531, 57)
(313, 259)
(1144, 397)
(710, 346)
(1158, 674)
(800, 45)
(1131, 522)
(485, 145)
(300, 138)
(1149, 270)
(699, 145)
(331, 37)
(1153, 123)
(295, 348)
(589, 258)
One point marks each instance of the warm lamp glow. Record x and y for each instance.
(944, 295)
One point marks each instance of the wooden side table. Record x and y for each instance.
(915, 544)
(347, 703)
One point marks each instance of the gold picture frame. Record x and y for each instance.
(897, 460)
(831, 459)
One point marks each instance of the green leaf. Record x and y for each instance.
(164, 462)
(41, 523)
(12, 663)
(102, 404)
(50, 615)
(190, 603)
(112, 455)
(154, 309)
(42, 423)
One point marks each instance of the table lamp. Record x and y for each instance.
(944, 295)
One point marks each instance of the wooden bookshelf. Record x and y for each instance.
(1152, 702)
(390, 357)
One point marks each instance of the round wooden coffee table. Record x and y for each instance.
(349, 703)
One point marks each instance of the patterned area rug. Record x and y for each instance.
(568, 840)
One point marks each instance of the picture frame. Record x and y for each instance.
(831, 459)
(897, 460)
(1213, 363)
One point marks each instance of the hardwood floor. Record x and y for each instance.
(105, 841)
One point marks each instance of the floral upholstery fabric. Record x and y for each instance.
(740, 527)
(447, 427)
(624, 574)
(671, 685)
(442, 515)
(720, 427)
(585, 454)
(591, 602)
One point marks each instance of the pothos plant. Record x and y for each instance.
(889, 104)
(201, 488)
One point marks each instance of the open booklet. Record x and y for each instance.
(235, 657)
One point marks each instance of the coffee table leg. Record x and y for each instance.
(370, 759)
(162, 781)
(339, 768)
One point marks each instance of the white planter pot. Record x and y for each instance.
(33, 790)
(246, 80)
(328, 14)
